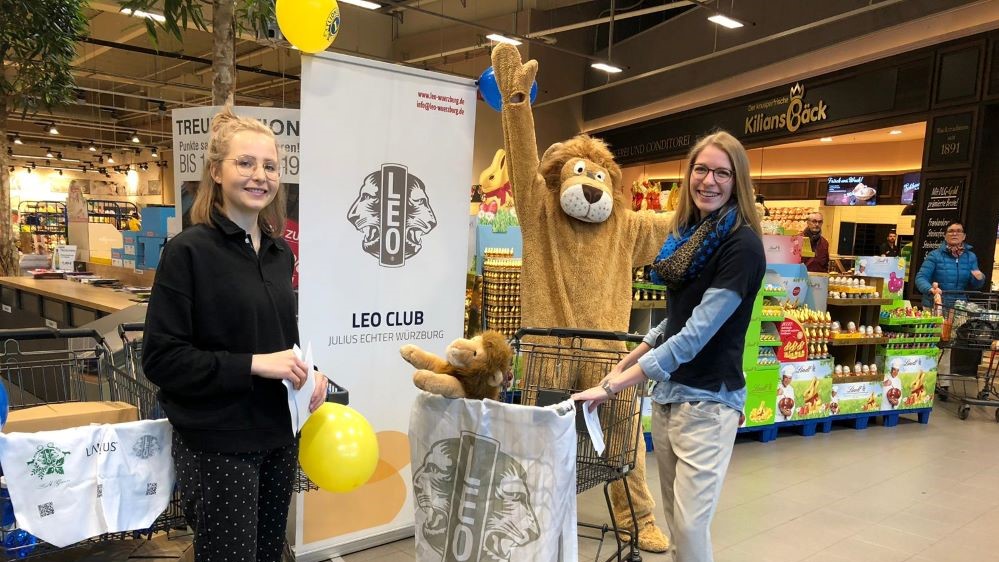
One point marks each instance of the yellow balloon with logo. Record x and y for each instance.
(309, 25)
(339, 449)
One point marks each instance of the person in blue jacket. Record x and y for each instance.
(953, 266)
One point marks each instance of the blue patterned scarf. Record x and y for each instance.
(682, 259)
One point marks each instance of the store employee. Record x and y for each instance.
(820, 246)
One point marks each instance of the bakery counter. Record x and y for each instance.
(56, 303)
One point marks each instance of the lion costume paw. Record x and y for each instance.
(474, 368)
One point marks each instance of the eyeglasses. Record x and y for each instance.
(722, 175)
(952, 231)
(813, 221)
(246, 165)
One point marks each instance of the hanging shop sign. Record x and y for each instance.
(943, 200)
(778, 113)
(950, 139)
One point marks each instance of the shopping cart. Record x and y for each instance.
(556, 362)
(131, 337)
(971, 321)
(41, 366)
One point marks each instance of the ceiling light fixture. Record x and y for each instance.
(135, 137)
(141, 14)
(725, 21)
(48, 152)
(52, 129)
(894, 132)
(502, 39)
(826, 139)
(608, 68)
(362, 4)
(17, 139)
(92, 148)
(155, 153)
(110, 158)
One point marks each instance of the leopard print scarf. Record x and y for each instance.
(682, 259)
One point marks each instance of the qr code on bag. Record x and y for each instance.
(46, 509)
(151, 489)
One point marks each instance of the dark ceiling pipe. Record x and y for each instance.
(179, 56)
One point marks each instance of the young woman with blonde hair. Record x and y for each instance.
(220, 328)
(713, 265)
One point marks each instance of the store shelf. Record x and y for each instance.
(771, 319)
(858, 302)
(928, 339)
(649, 286)
(769, 343)
(776, 294)
(858, 341)
(907, 321)
(648, 305)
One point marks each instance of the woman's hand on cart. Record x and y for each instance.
(594, 396)
(319, 393)
(977, 274)
(282, 365)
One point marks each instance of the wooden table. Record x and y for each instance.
(57, 303)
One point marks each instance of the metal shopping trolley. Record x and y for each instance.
(41, 366)
(557, 362)
(971, 321)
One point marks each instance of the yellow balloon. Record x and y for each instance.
(339, 449)
(310, 25)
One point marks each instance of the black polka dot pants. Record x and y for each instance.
(237, 503)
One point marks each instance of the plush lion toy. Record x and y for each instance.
(581, 241)
(474, 368)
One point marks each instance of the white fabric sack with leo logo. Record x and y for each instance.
(492, 481)
(73, 484)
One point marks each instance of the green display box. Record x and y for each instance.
(856, 395)
(759, 409)
(810, 390)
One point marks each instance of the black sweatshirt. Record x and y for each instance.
(214, 304)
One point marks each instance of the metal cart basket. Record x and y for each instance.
(971, 321)
(44, 366)
(556, 362)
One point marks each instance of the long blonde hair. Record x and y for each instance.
(226, 125)
(742, 191)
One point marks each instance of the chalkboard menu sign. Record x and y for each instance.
(950, 139)
(942, 200)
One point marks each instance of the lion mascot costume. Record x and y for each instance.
(581, 243)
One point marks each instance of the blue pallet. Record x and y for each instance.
(808, 428)
(856, 421)
(763, 433)
(648, 442)
(891, 418)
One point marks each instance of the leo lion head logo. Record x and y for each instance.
(473, 497)
(393, 213)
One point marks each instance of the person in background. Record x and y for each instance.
(713, 264)
(133, 222)
(890, 247)
(954, 268)
(819, 261)
(220, 329)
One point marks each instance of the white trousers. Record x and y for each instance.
(693, 446)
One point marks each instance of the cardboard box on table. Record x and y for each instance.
(49, 417)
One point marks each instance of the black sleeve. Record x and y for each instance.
(741, 264)
(169, 358)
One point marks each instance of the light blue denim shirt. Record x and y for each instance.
(715, 308)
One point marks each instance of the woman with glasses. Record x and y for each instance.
(819, 260)
(220, 328)
(713, 264)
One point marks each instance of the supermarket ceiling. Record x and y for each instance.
(127, 84)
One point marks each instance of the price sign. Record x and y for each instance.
(793, 342)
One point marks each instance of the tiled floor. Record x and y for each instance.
(913, 492)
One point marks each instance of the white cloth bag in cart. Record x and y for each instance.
(493, 481)
(73, 484)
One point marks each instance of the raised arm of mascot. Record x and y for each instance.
(581, 243)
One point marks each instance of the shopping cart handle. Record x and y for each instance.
(578, 333)
(23, 334)
(337, 394)
(130, 327)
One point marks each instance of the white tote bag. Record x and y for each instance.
(73, 484)
(493, 481)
